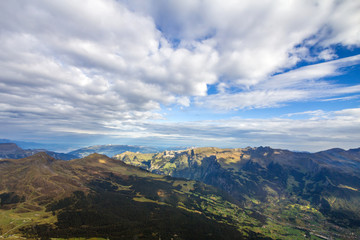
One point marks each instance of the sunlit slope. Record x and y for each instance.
(299, 188)
(98, 196)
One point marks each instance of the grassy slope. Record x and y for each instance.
(98, 196)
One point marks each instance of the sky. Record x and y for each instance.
(278, 73)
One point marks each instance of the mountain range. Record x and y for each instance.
(111, 150)
(11, 150)
(314, 191)
(196, 193)
(96, 196)
(57, 147)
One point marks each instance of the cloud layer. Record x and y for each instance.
(78, 66)
(298, 85)
(319, 130)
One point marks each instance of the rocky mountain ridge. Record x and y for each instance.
(271, 180)
(260, 193)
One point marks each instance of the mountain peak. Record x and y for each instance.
(335, 150)
(97, 155)
(95, 158)
(41, 157)
(9, 147)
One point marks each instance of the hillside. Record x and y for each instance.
(314, 191)
(96, 196)
(11, 150)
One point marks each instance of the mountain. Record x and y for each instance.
(256, 193)
(96, 196)
(110, 150)
(11, 150)
(35, 145)
(319, 192)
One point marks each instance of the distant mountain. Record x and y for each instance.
(319, 192)
(11, 150)
(35, 145)
(96, 196)
(110, 150)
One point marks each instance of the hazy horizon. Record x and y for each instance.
(67, 148)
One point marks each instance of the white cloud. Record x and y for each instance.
(92, 64)
(256, 39)
(323, 130)
(341, 98)
(252, 99)
(315, 113)
(302, 84)
(327, 54)
(343, 24)
(93, 58)
(184, 101)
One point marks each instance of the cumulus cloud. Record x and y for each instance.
(97, 65)
(257, 39)
(93, 59)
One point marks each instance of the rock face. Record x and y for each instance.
(265, 178)
(12, 151)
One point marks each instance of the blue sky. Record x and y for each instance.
(278, 73)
